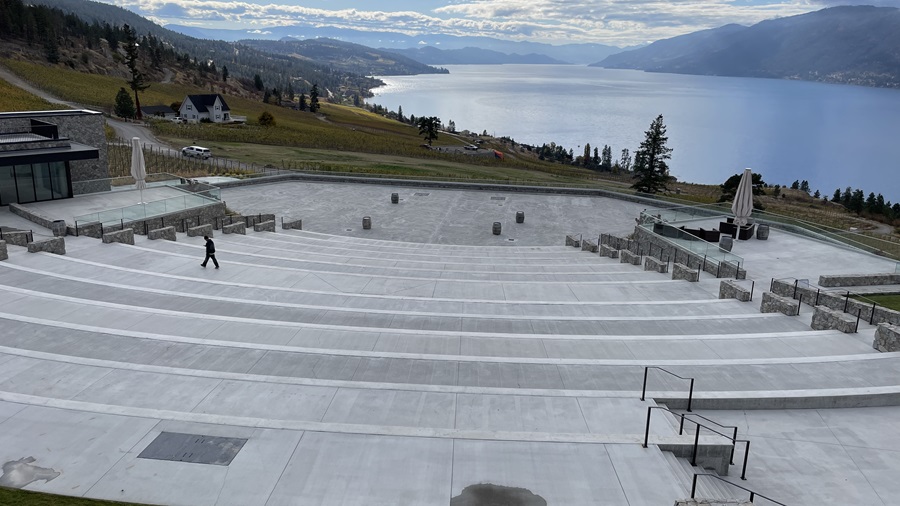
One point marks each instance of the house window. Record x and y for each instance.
(218, 116)
(189, 107)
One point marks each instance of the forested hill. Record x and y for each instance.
(66, 23)
(854, 45)
(345, 56)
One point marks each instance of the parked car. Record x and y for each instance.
(196, 152)
(179, 120)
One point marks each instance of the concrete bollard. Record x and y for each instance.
(367, 222)
(726, 242)
(395, 198)
(762, 232)
(496, 228)
(520, 217)
(58, 227)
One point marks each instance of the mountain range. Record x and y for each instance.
(853, 45)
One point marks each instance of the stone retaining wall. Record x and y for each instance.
(887, 338)
(200, 231)
(653, 264)
(664, 250)
(828, 319)
(772, 303)
(627, 257)
(729, 289)
(251, 220)
(681, 271)
(17, 238)
(859, 280)
(235, 228)
(292, 225)
(4, 254)
(589, 246)
(56, 245)
(608, 251)
(574, 241)
(167, 233)
(121, 236)
(266, 226)
(837, 301)
(181, 220)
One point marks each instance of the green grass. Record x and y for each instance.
(15, 497)
(13, 98)
(890, 301)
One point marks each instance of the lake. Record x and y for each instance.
(831, 135)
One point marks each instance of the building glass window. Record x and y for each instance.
(24, 184)
(42, 182)
(34, 183)
(8, 193)
(59, 180)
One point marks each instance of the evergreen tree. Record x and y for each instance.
(137, 82)
(795, 185)
(302, 104)
(124, 107)
(224, 73)
(314, 99)
(258, 82)
(356, 104)
(870, 205)
(451, 126)
(428, 127)
(837, 195)
(595, 161)
(586, 157)
(266, 119)
(267, 96)
(51, 49)
(817, 194)
(399, 110)
(650, 167)
(290, 92)
(606, 158)
(625, 160)
(857, 201)
(846, 197)
(804, 186)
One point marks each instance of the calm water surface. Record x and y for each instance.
(831, 135)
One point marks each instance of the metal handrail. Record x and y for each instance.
(644, 388)
(745, 489)
(734, 440)
(715, 422)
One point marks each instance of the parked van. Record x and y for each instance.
(196, 152)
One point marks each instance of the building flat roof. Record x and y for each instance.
(74, 151)
(60, 113)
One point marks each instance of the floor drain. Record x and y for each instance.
(511, 239)
(348, 230)
(194, 448)
(421, 194)
(498, 198)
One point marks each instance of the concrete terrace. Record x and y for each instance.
(403, 364)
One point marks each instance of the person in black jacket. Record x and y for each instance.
(210, 252)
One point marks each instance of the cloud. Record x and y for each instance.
(617, 22)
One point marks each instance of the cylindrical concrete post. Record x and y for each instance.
(726, 242)
(367, 222)
(762, 232)
(58, 227)
(395, 198)
(520, 217)
(496, 228)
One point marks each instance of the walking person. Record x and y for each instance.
(210, 252)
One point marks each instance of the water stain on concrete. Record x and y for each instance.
(19, 473)
(488, 494)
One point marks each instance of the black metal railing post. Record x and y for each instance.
(872, 316)
(696, 446)
(846, 300)
(644, 388)
(690, 395)
(858, 311)
(752, 286)
(746, 456)
(818, 291)
(799, 304)
(647, 428)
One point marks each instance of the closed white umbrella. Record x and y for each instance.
(138, 168)
(743, 199)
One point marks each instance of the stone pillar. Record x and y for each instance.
(292, 225)
(265, 226)
(728, 289)
(125, 236)
(4, 254)
(58, 227)
(56, 245)
(825, 318)
(520, 217)
(681, 271)
(608, 251)
(589, 246)
(235, 228)
(395, 198)
(574, 241)
(653, 264)
(496, 228)
(200, 231)
(627, 257)
(772, 303)
(166, 233)
(367, 222)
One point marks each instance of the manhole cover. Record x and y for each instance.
(498, 198)
(422, 194)
(194, 448)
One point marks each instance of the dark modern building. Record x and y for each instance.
(44, 154)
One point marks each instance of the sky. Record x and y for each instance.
(613, 22)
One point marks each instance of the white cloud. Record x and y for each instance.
(617, 22)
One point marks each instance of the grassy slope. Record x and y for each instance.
(14, 497)
(13, 98)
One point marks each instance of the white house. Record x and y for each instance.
(211, 107)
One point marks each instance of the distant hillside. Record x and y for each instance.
(568, 53)
(207, 57)
(472, 56)
(345, 56)
(853, 45)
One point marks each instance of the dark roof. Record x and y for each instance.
(73, 151)
(157, 109)
(202, 102)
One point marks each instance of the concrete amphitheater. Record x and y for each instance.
(427, 361)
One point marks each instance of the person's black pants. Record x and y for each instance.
(208, 257)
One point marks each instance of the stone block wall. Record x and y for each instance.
(200, 231)
(772, 303)
(627, 257)
(17, 238)
(266, 226)
(589, 246)
(235, 228)
(166, 233)
(573, 241)
(251, 220)
(681, 271)
(606, 250)
(887, 338)
(292, 225)
(654, 264)
(728, 289)
(56, 245)
(837, 300)
(860, 280)
(4, 254)
(828, 319)
(125, 236)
